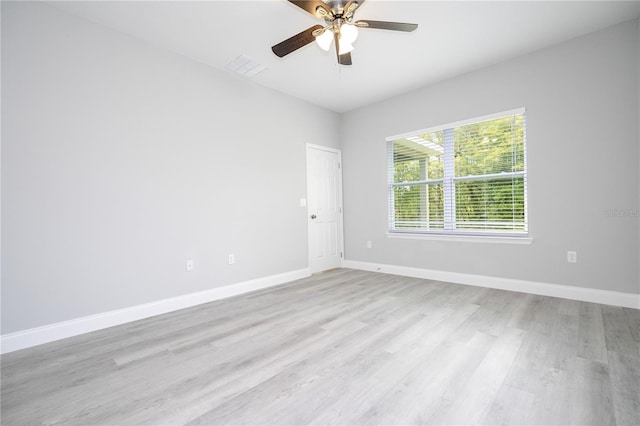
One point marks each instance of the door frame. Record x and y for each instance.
(310, 146)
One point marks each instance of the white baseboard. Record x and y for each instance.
(49, 333)
(627, 300)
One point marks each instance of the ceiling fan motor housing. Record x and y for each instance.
(338, 9)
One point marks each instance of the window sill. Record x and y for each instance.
(463, 238)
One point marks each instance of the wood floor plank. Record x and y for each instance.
(405, 366)
(475, 401)
(314, 371)
(341, 347)
(591, 400)
(438, 394)
(633, 319)
(552, 400)
(591, 339)
(511, 406)
(617, 331)
(624, 378)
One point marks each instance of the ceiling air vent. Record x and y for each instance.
(245, 66)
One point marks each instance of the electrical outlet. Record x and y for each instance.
(190, 265)
(369, 244)
(232, 259)
(572, 257)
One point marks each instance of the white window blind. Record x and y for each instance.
(463, 178)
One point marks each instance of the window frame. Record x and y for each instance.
(449, 233)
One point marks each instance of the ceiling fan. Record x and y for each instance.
(339, 27)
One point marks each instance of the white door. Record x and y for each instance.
(324, 208)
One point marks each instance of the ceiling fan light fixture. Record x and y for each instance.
(324, 40)
(348, 33)
(345, 48)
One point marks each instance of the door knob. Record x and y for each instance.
(313, 216)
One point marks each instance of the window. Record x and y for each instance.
(465, 178)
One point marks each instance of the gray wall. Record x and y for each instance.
(121, 160)
(582, 134)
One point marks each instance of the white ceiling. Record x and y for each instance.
(453, 37)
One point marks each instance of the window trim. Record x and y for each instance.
(434, 236)
(457, 124)
(451, 234)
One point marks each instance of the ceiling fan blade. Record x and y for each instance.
(384, 25)
(345, 59)
(296, 42)
(351, 7)
(336, 39)
(316, 8)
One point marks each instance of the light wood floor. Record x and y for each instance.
(342, 347)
